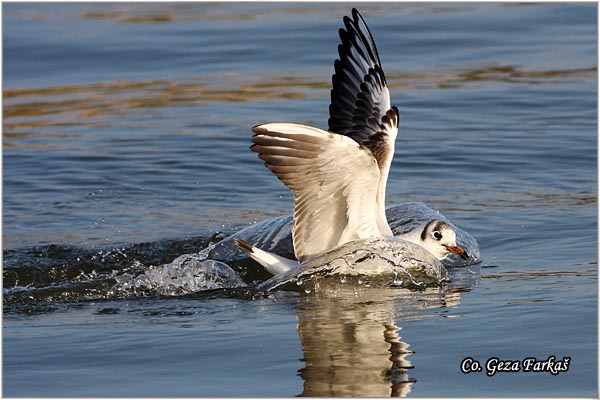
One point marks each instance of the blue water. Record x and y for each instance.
(125, 137)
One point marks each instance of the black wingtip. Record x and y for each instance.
(395, 113)
(358, 18)
(257, 129)
(242, 244)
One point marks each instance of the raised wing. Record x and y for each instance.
(360, 101)
(334, 181)
(360, 97)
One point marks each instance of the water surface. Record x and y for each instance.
(125, 138)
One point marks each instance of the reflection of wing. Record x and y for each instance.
(360, 101)
(334, 181)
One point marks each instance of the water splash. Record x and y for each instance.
(65, 274)
(188, 273)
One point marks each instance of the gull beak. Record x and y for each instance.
(459, 251)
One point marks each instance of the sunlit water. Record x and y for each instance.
(125, 138)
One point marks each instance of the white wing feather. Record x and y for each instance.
(334, 180)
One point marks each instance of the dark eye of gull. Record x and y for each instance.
(437, 235)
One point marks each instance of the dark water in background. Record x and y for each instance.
(125, 138)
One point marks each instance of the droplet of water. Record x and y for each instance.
(299, 282)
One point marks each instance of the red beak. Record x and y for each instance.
(459, 251)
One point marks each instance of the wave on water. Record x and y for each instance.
(63, 273)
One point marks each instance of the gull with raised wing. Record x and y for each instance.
(339, 176)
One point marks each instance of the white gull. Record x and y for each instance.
(339, 176)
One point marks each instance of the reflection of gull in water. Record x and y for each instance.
(339, 176)
(351, 339)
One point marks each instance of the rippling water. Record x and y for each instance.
(125, 138)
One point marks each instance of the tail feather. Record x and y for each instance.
(272, 262)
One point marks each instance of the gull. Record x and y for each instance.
(436, 236)
(339, 176)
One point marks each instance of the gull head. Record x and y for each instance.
(439, 239)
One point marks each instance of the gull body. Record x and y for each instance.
(435, 236)
(382, 262)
